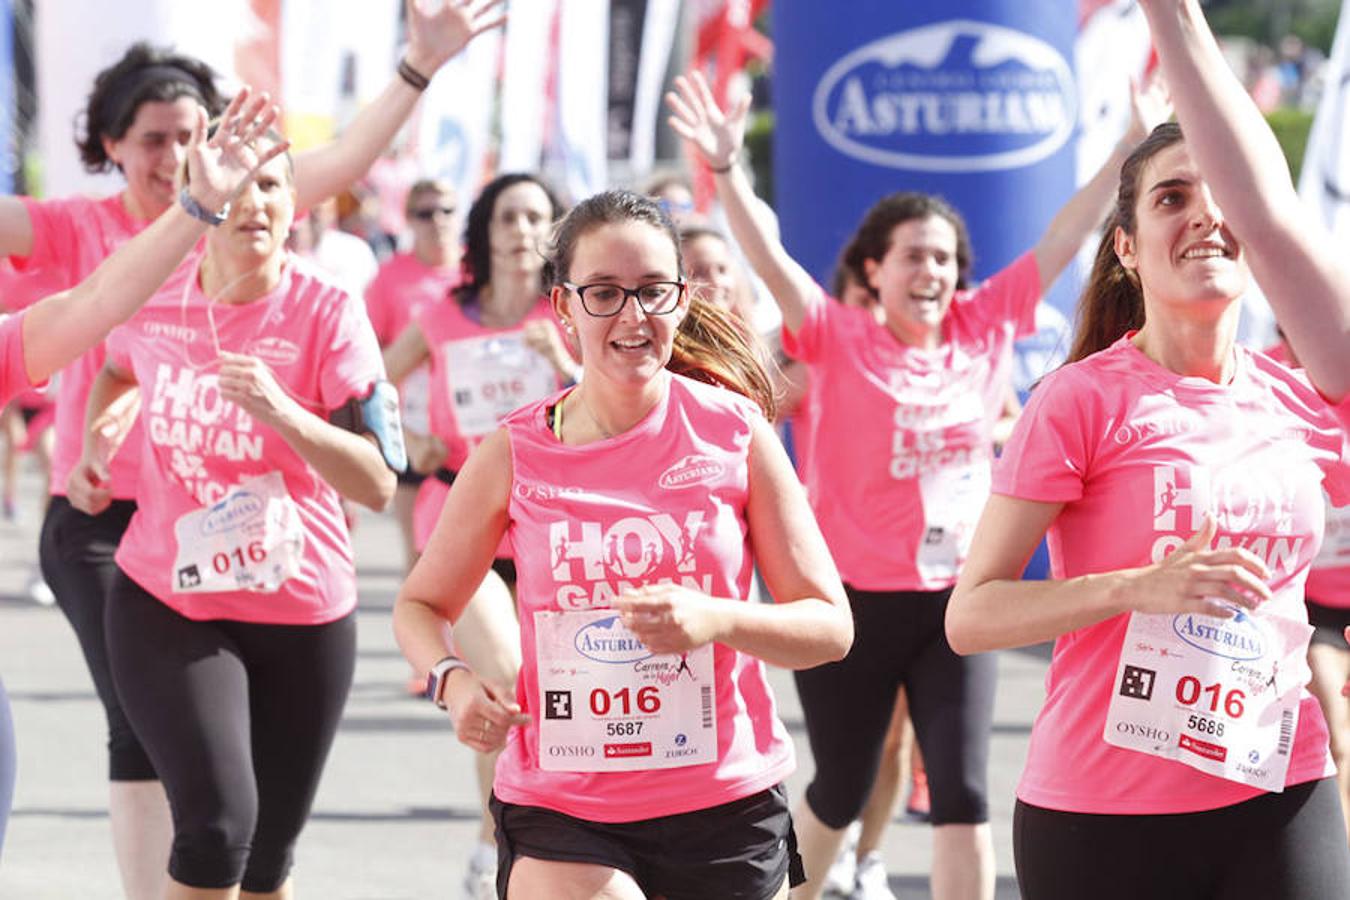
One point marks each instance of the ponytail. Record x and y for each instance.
(714, 347)
(1113, 302)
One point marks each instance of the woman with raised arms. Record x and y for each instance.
(1179, 480)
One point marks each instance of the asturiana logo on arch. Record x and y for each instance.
(1236, 638)
(955, 96)
(608, 641)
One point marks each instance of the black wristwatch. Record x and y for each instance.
(197, 211)
(438, 675)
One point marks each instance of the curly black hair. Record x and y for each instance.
(144, 74)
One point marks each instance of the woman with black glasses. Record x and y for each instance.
(652, 759)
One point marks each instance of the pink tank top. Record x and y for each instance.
(1137, 454)
(71, 237)
(201, 451)
(665, 501)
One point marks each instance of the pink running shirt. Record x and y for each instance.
(894, 425)
(402, 286)
(1133, 450)
(664, 500)
(13, 370)
(476, 367)
(71, 237)
(318, 343)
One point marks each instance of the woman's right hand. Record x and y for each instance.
(219, 167)
(1195, 578)
(698, 119)
(87, 486)
(482, 719)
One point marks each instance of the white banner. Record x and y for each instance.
(455, 128)
(658, 38)
(1324, 183)
(525, 74)
(582, 102)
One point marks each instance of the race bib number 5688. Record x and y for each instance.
(1220, 695)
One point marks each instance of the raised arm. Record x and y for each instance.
(437, 31)
(61, 327)
(718, 137)
(992, 608)
(1292, 257)
(1086, 209)
(810, 623)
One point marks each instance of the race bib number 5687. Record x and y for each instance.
(608, 704)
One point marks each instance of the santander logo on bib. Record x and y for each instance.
(955, 96)
(691, 470)
(1236, 638)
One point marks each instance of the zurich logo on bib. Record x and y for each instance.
(954, 96)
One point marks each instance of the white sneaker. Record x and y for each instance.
(480, 879)
(840, 878)
(40, 593)
(872, 883)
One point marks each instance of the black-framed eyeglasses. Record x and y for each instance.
(426, 215)
(601, 299)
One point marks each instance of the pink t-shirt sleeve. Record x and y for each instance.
(1009, 295)
(56, 234)
(1046, 458)
(13, 372)
(353, 362)
(819, 318)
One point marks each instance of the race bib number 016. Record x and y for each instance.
(252, 539)
(1220, 695)
(491, 376)
(607, 704)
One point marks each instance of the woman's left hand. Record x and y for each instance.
(247, 382)
(669, 618)
(439, 30)
(1150, 106)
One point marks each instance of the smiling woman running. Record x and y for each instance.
(634, 503)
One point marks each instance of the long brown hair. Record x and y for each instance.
(1112, 301)
(710, 346)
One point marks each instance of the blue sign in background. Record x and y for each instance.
(956, 99)
(8, 139)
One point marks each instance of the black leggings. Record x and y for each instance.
(1288, 846)
(899, 639)
(238, 718)
(76, 552)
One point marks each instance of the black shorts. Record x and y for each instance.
(410, 477)
(1286, 846)
(744, 849)
(1329, 624)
